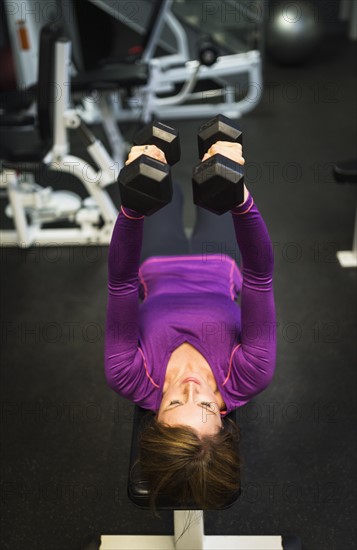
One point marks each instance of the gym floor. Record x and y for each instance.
(66, 434)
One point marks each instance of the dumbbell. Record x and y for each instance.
(145, 184)
(218, 182)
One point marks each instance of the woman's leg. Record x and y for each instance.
(163, 231)
(214, 234)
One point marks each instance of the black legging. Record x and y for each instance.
(164, 234)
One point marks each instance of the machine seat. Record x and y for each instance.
(111, 76)
(22, 146)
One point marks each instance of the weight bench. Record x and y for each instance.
(346, 172)
(192, 539)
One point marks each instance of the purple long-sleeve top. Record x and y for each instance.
(167, 300)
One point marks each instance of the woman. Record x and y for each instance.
(177, 342)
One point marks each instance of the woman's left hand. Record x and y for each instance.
(228, 149)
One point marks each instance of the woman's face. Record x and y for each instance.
(191, 403)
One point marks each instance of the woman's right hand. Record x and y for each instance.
(149, 150)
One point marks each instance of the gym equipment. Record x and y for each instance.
(194, 538)
(292, 32)
(145, 184)
(346, 172)
(207, 51)
(24, 28)
(28, 150)
(348, 13)
(218, 182)
(179, 85)
(172, 76)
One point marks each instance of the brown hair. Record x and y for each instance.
(202, 469)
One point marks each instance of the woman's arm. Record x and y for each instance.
(123, 360)
(253, 361)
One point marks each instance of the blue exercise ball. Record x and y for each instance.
(293, 31)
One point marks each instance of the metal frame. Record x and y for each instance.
(144, 103)
(168, 70)
(165, 74)
(225, 66)
(192, 539)
(88, 215)
(146, 100)
(25, 59)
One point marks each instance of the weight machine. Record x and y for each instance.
(179, 86)
(178, 70)
(26, 152)
(161, 80)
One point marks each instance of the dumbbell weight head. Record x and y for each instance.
(145, 185)
(218, 184)
(219, 128)
(164, 137)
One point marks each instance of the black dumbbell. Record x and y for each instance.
(145, 184)
(218, 182)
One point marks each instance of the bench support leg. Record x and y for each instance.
(192, 539)
(348, 258)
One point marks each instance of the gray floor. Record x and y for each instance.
(66, 435)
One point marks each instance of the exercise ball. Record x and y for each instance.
(293, 31)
